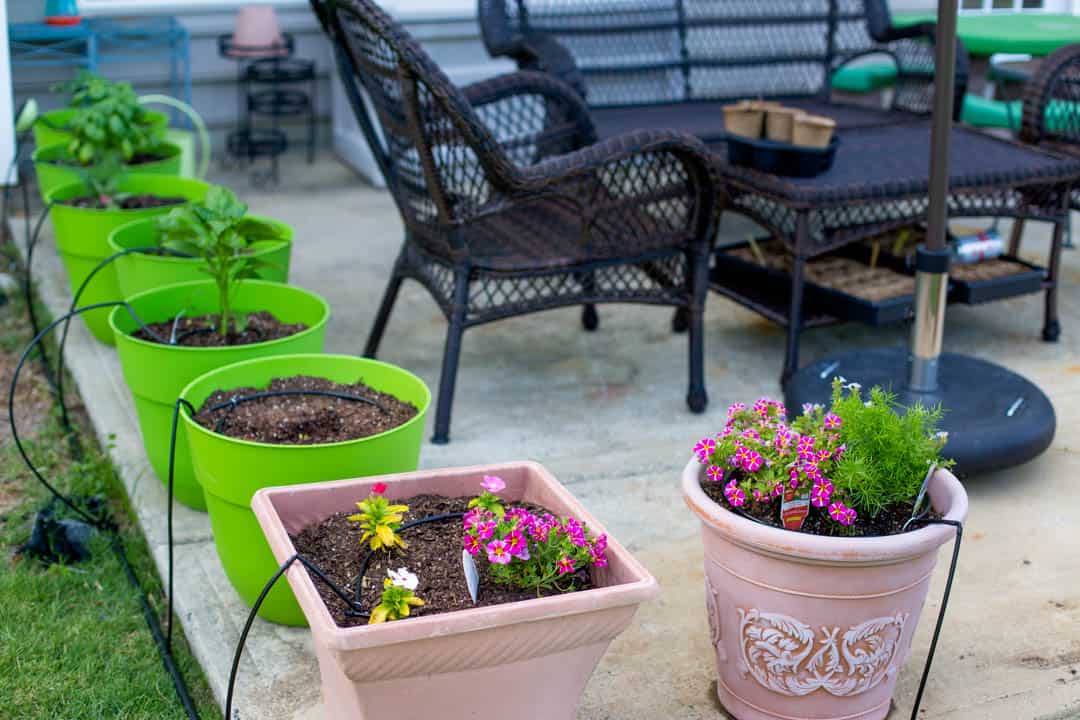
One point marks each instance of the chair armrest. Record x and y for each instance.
(530, 110)
(912, 49)
(670, 175)
(1052, 99)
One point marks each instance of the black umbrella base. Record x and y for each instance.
(994, 417)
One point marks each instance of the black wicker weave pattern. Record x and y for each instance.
(1052, 106)
(510, 206)
(646, 52)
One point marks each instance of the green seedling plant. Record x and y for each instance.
(219, 232)
(108, 129)
(398, 597)
(380, 520)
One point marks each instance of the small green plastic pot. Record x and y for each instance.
(51, 128)
(231, 471)
(51, 175)
(82, 237)
(138, 272)
(156, 373)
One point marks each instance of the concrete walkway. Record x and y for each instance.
(605, 412)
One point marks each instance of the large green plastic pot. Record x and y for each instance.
(138, 272)
(231, 471)
(82, 237)
(157, 373)
(51, 176)
(51, 127)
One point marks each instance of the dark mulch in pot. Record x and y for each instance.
(305, 419)
(433, 554)
(136, 159)
(889, 521)
(127, 202)
(198, 331)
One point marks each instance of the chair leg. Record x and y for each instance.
(696, 397)
(590, 320)
(680, 321)
(1016, 236)
(381, 318)
(451, 354)
(1051, 325)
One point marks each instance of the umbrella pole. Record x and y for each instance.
(932, 260)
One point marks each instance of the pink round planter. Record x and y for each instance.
(531, 659)
(257, 33)
(808, 627)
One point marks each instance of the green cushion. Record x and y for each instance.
(980, 112)
(984, 35)
(864, 77)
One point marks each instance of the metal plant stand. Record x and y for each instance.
(995, 418)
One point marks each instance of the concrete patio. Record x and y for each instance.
(605, 412)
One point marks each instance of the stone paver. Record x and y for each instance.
(605, 412)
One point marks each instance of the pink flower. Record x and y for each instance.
(565, 565)
(758, 496)
(838, 511)
(821, 492)
(753, 462)
(472, 518)
(493, 484)
(600, 543)
(473, 544)
(704, 448)
(715, 473)
(378, 488)
(850, 516)
(486, 529)
(832, 421)
(499, 552)
(761, 407)
(599, 557)
(742, 455)
(518, 546)
(737, 407)
(735, 495)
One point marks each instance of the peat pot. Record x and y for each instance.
(157, 373)
(82, 237)
(138, 272)
(534, 656)
(813, 627)
(230, 471)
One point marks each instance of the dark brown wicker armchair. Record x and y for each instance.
(509, 208)
(1052, 106)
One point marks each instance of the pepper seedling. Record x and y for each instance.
(218, 231)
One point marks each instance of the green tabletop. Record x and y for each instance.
(1032, 33)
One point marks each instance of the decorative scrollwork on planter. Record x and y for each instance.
(783, 655)
(712, 611)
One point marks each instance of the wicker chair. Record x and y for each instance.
(509, 205)
(1051, 115)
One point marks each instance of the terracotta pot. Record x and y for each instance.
(780, 122)
(812, 131)
(813, 627)
(536, 654)
(744, 119)
(257, 33)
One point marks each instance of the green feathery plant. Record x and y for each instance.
(218, 231)
(887, 452)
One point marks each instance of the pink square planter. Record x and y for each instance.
(534, 656)
(808, 627)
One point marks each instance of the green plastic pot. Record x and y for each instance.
(82, 237)
(138, 272)
(231, 471)
(51, 127)
(156, 373)
(51, 176)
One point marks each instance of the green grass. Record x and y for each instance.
(73, 640)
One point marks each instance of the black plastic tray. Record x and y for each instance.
(825, 300)
(780, 158)
(983, 291)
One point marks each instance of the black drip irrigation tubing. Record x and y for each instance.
(353, 603)
(103, 523)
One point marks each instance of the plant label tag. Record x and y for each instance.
(922, 492)
(794, 509)
(472, 575)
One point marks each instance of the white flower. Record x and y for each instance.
(853, 386)
(403, 578)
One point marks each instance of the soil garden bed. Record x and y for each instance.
(433, 553)
(127, 202)
(199, 331)
(304, 419)
(888, 522)
(137, 159)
